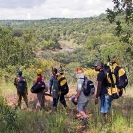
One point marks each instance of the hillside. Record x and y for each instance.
(31, 44)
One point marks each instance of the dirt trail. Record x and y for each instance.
(12, 98)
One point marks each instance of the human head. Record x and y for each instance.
(39, 71)
(19, 73)
(79, 70)
(98, 65)
(54, 71)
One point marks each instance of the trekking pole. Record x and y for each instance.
(48, 94)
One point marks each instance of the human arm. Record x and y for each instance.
(26, 89)
(79, 89)
(15, 82)
(46, 86)
(77, 95)
(98, 91)
(101, 81)
(50, 84)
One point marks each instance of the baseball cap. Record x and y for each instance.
(20, 73)
(98, 63)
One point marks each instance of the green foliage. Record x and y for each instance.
(12, 51)
(63, 120)
(57, 121)
(70, 71)
(93, 42)
(122, 9)
(78, 55)
(82, 40)
(17, 33)
(8, 117)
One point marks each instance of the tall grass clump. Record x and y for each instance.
(59, 122)
(8, 117)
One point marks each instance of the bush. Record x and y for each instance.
(8, 117)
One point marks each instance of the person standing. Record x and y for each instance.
(102, 91)
(22, 91)
(80, 98)
(40, 95)
(55, 89)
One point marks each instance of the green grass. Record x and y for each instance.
(120, 119)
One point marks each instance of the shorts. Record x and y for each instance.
(105, 103)
(82, 106)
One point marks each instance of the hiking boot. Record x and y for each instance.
(84, 121)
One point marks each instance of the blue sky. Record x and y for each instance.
(43, 9)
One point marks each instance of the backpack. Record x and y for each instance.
(55, 88)
(116, 80)
(63, 86)
(88, 87)
(38, 86)
(21, 85)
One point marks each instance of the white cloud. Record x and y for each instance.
(66, 12)
(42, 9)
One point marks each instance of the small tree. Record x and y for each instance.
(123, 9)
(122, 16)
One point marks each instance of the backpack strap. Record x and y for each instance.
(116, 70)
(111, 78)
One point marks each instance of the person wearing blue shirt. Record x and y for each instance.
(58, 92)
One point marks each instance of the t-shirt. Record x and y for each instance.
(39, 79)
(51, 81)
(102, 77)
(82, 98)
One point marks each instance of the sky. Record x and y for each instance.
(44, 9)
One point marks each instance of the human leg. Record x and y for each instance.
(81, 107)
(105, 106)
(40, 100)
(25, 99)
(19, 98)
(55, 102)
(62, 100)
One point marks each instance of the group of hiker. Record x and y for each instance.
(111, 79)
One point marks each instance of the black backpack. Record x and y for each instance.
(21, 85)
(55, 88)
(122, 80)
(63, 86)
(88, 87)
(116, 80)
(38, 87)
